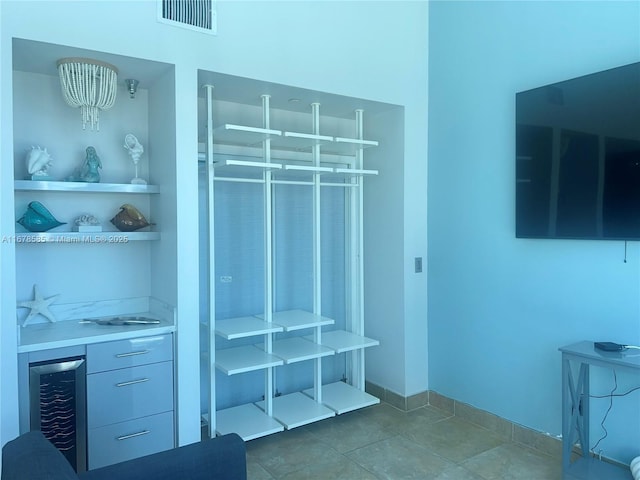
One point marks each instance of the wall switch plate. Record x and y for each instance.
(418, 264)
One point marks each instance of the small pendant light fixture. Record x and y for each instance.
(132, 87)
(90, 85)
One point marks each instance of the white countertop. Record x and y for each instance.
(44, 336)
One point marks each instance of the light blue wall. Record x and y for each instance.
(374, 50)
(499, 307)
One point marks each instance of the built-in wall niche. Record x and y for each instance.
(108, 265)
(281, 230)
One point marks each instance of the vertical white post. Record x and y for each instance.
(317, 261)
(268, 255)
(358, 379)
(355, 361)
(212, 265)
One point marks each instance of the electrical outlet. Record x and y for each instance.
(418, 264)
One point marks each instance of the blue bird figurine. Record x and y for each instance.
(38, 219)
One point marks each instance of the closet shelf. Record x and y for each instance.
(233, 134)
(342, 341)
(342, 397)
(300, 173)
(296, 349)
(300, 141)
(242, 134)
(297, 409)
(57, 186)
(348, 146)
(293, 172)
(244, 359)
(348, 173)
(244, 327)
(292, 320)
(246, 166)
(247, 420)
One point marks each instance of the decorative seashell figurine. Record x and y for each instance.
(136, 150)
(86, 220)
(38, 162)
(129, 219)
(87, 223)
(38, 219)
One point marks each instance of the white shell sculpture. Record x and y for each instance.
(38, 161)
(132, 144)
(136, 150)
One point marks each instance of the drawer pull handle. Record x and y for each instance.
(132, 382)
(131, 354)
(132, 435)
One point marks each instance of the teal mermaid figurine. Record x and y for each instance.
(88, 172)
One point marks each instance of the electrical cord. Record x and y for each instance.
(604, 419)
(610, 396)
(616, 394)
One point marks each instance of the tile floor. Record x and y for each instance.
(382, 442)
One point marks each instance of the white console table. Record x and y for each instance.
(575, 409)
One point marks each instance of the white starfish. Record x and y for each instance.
(39, 306)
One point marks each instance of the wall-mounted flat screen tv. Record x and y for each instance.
(578, 157)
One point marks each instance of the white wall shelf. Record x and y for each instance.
(247, 164)
(246, 420)
(349, 146)
(300, 173)
(56, 186)
(292, 320)
(244, 168)
(245, 359)
(111, 238)
(242, 134)
(300, 141)
(348, 173)
(342, 397)
(297, 409)
(297, 349)
(241, 327)
(342, 341)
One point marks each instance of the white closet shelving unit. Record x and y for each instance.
(314, 338)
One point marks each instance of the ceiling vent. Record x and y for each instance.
(199, 15)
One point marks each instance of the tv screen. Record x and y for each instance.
(578, 157)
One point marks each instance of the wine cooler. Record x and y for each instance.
(57, 396)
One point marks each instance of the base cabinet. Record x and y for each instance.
(127, 440)
(129, 399)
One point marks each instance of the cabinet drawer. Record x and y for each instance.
(124, 441)
(128, 353)
(128, 393)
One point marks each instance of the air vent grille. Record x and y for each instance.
(197, 15)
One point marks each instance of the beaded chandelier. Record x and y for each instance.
(90, 85)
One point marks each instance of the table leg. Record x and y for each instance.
(575, 411)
